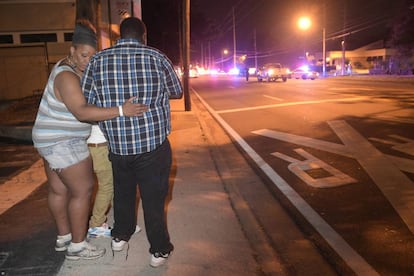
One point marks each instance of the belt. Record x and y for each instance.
(97, 145)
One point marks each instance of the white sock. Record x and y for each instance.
(66, 237)
(76, 246)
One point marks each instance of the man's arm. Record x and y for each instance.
(68, 88)
(172, 82)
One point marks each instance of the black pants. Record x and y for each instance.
(151, 172)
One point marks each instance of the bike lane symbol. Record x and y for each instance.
(301, 168)
(384, 170)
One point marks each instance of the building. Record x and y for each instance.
(35, 34)
(32, 38)
(373, 58)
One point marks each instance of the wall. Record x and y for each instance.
(24, 67)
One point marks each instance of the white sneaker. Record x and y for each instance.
(88, 252)
(118, 245)
(137, 229)
(158, 259)
(100, 231)
(62, 245)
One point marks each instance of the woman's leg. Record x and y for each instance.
(58, 199)
(79, 181)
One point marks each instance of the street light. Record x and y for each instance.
(225, 52)
(304, 23)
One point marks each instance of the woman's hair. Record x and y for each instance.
(84, 33)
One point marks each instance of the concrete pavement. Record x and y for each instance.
(207, 236)
(203, 225)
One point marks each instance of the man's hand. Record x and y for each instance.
(130, 109)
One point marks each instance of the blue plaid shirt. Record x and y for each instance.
(133, 69)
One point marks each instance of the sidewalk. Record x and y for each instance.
(204, 229)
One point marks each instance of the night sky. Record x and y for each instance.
(271, 25)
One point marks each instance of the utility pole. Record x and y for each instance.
(255, 49)
(234, 41)
(186, 54)
(343, 43)
(324, 41)
(202, 54)
(86, 10)
(90, 10)
(324, 52)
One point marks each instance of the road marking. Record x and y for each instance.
(384, 171)
(273, 98)
(290, 104)
(407, 147)
(338, 244)
(350, 88)
(300, 167)
(394, 119)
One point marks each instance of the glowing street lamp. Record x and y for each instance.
(304, 23)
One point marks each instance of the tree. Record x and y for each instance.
(402, 38)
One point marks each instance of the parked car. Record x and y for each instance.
(272, 72)
(304, 73)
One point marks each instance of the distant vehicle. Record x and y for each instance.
(304, 73)
(193, 72)
(272, 72)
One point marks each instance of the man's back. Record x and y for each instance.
(131, 69)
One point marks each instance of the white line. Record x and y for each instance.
(344, 250)
(394, 119)
(273, 98)
(395, 185)
(350, 88)
(290, 104)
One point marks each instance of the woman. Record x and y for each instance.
(60, 134)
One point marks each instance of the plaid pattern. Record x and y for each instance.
(132, 69)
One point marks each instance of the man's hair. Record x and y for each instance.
(133, 27)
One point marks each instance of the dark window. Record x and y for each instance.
(6, 39)
(68, 36)
(28, 38)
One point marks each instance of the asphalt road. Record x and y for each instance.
(338, 153)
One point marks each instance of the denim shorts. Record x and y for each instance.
(65, 153)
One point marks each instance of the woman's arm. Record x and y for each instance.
(68, 90)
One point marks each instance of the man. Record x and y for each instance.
(139, 148)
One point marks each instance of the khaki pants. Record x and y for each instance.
(103, 170)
